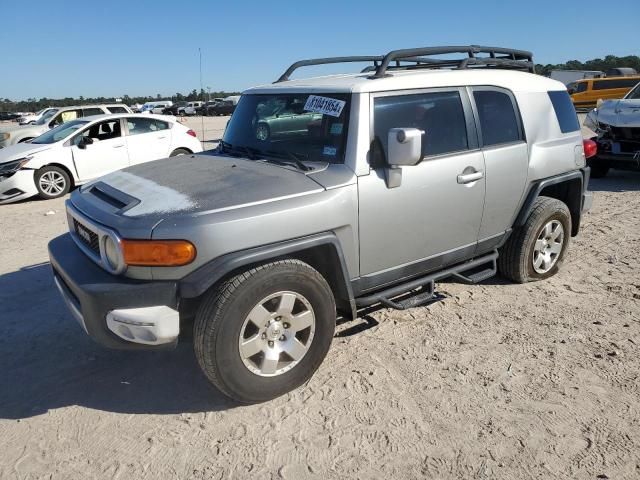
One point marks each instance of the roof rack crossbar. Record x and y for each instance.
(325, 61)
(490, 57)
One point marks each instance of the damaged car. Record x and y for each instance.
(617, 126)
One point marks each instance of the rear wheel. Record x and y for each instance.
(536, 249)
(265, 331)
(52, 182)
(179, 151)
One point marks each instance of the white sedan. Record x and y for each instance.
(84, 149)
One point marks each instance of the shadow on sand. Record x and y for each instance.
(48, 362)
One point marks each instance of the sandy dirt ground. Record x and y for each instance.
(496, 381)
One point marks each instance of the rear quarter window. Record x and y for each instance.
(565, 111)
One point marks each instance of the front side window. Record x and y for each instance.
(107, 130)
(306, 126)
(117, 109)
(65, 116)
(138, 125)
(59, 133)
(498, 119)
(440, 115)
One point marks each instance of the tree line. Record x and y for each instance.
(33, 104)
(602, 64)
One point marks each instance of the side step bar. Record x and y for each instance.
(473, 271)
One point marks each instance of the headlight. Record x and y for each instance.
(4, 136)
(13, 166)
(112, 252)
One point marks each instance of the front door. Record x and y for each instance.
(433, 217)
(106, 153)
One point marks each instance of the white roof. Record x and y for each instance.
(408, 79)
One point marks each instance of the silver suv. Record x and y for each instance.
(325, 196)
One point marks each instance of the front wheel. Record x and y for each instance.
(536, 249)
(52, 182)
(265, 331)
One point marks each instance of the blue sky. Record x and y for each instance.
(71, 48)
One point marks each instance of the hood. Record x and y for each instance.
(20, 150)
(190, 184)
(619, 113)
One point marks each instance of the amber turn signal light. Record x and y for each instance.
(158, 253)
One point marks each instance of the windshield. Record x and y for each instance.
(305, 126)
(47, 115)
(634, 94)
(59, 133)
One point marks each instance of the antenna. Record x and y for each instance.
(201, 90)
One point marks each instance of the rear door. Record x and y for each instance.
(506, 157)
(147, 139)
(105, 154)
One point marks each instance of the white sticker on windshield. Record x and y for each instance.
(329, 151)
(324, 105)
(336, 129)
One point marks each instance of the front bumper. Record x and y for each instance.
(117, 312)
(18, 186)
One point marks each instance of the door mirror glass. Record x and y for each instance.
(405, 146)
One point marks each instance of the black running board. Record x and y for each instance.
(473, 271)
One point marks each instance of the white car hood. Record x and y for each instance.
(20, 150)
(619, 113)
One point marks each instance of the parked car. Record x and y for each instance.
(156, 107)
(176, 109)
(192, 107)
(86, 148)
(413, 174)
(34, 117)
(26, 133)
(9, 116)
(226, 107)
(586, 93)
(617, 126)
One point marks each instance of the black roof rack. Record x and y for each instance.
(419, 58)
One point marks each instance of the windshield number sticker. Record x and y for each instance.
(324, 105)
(336, 129)
(329, 151)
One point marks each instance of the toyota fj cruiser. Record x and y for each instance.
(325, 196)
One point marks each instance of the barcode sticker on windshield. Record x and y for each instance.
(324, 105)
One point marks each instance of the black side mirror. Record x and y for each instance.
(84, 141)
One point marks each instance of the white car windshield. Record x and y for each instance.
(60, 133)
(634, 94)
(47, 115)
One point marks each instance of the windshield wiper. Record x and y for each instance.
(293, 157)
(249, 152)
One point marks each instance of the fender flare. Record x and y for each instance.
(539, 186)
(198, 282)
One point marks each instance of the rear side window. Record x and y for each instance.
(440, 115)
(617, 83)
(139, 125)
(117, 109)
(565, 111)
(92, 111)
(498, 119)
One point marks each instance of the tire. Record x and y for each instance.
(263, 132)
(599, 171)
(52, 182)
(226, 318)
(539, 242)
(180, 151)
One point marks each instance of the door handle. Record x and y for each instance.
(160, 138)
(470, 177)
(118, 146)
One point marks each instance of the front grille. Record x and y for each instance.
(87, 236)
